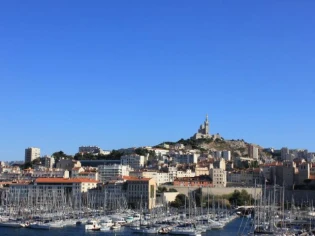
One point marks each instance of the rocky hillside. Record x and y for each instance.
(237, 147)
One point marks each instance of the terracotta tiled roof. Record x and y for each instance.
(63, 180)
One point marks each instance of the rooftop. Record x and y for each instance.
(64, 180)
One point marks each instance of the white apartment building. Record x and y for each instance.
(253, 151)
(159, 177)
(218, 177)
(226, 155)
(31, 154)
(134, 161)
(186, 158)
(172, 171)
(107, 172)
(50, 172)
(217, 154)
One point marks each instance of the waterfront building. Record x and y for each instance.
(107, 172)
(141, 192)
(31, 154)
(48, 191)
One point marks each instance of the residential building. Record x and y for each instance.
(191, 158)
(133, 160)
(253, 151)
(141, 192)
(68, 164)
(226, 155)
(284, 152)
(31, 154)
(217, 154)
(159, 177)
(201, 170)
(188, 173)
(304, 172)
(48, 161)
(107, 172)
(50, 173)
(218, 177)
(285, 175)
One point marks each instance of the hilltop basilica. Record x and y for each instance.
(204, 131)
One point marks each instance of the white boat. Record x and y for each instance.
(136, 216)
(39, 225)
(92, 225)
(145, 230)
(129, 219)
(184, 231)
(116, 226)
(56, 224)
(105, 228)
(118, 220)
(11, 224)
(106, 222)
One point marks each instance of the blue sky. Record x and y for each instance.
(133, 73)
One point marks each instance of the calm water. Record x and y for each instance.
(229, 230)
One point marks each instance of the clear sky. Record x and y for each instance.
(133, 73)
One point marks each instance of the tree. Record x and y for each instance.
(179, 201)
(240, 198)
(59, 155)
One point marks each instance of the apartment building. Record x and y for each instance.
(31, 154)
(218, 177)
(68, 164)
(141, 192)
(159, 177)
(50, 172)
(107, 172)
(226, 155)
(186, 158)
(133, 160)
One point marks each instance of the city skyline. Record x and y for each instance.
(136, 74)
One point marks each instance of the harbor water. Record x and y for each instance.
(231, 229)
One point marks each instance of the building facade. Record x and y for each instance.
(31, 154)
(218, 177)
(134, 161)
(107, 172)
